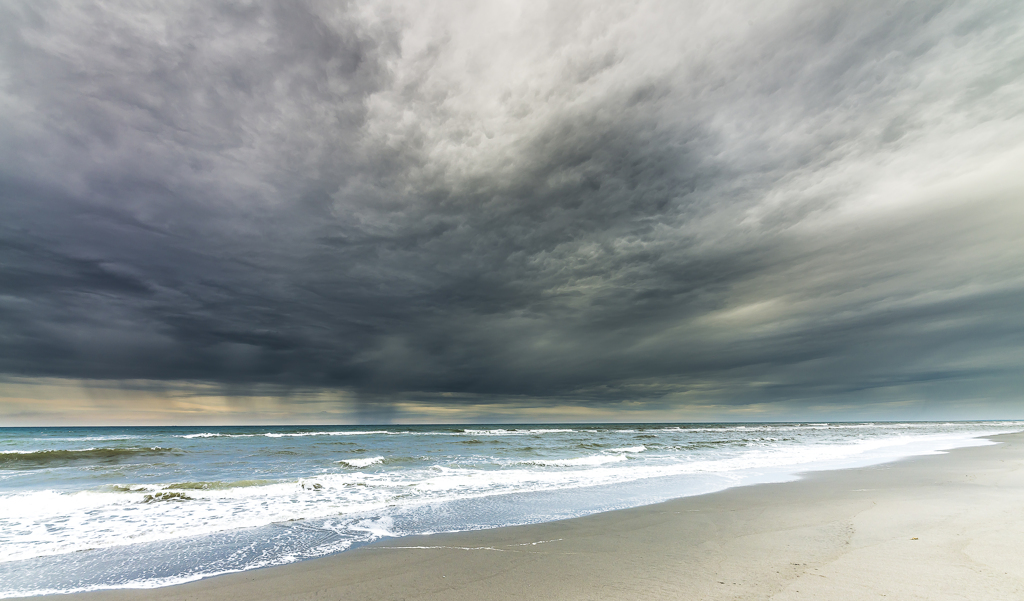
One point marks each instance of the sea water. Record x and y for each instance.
(93, 508)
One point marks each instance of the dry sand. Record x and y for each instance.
(945, 526)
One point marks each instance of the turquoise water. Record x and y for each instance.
(92, 508)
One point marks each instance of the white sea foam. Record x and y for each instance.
(215, 435)
(504, 432)
(285, 434)
(636, 449)
(362, 461)
(373, 529)
(334, 433)
(591, 460)
(811, 427)
(158, 582)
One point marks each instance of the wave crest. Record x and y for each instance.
(361, 462)
(48, 458)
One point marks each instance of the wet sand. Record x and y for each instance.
(945, 526)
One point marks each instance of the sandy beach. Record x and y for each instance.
(943, 526)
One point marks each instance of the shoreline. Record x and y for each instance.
(930, 527)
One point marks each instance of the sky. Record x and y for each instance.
(445, 211)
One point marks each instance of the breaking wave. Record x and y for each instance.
(56, 457)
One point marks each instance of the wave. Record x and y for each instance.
(282, 434)
(166, 496)
(362, 462)
(26, 459)
(110, 438)
(579, 461)
(89, 519)
(203, 435)
(791, 427)
(215, 435)
(636, 449)
(195, 486)
(341, 433)
(514, 432)
(218, 485)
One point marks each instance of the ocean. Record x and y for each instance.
(138, 507)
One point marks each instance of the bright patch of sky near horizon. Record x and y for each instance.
(439, 211)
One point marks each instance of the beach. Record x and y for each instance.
(944, 526)
(634, 299)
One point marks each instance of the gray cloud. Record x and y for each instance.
(664, 202)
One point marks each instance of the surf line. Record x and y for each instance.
(443, 547)
(540, 542)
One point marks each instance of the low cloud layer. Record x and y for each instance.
(667, 203)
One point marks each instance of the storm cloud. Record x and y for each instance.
(583, 203)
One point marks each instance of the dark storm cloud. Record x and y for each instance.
(594, 203)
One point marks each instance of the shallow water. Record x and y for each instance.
(90, 508)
